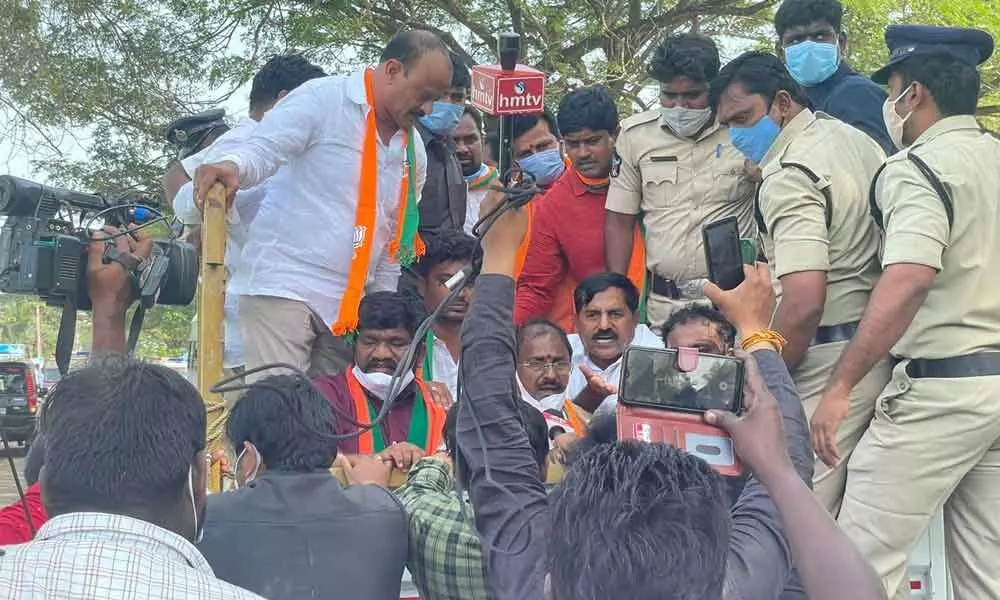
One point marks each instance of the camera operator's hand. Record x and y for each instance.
(208, 175)
(110, 286)
(750, 305)
(758, 434)
(502, 242)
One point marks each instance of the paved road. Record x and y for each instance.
(8, 492)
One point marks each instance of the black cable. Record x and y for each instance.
(517, 196)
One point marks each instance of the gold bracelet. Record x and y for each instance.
(768, 336)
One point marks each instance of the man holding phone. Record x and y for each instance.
(812, 212)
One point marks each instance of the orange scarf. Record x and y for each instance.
(406, 246)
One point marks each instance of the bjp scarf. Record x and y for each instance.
(406, 246)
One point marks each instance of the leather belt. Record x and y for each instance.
(831, 334)
(690, 289)
(982, 364)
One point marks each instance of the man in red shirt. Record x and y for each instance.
(566, 228)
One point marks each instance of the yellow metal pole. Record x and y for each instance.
(211, 312)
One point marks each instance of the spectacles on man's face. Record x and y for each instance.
(561, 367)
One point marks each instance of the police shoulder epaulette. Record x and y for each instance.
(644, 117)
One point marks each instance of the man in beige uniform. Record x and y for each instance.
(812, 213)
(935, 438)
(677, 169)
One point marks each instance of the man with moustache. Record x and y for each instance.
(607, 320)
(412, 428)
(469, 149)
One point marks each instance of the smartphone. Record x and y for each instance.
(724, 252)
(664, 393)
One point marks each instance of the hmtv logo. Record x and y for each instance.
(498, 92)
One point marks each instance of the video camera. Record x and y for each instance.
(44, 243)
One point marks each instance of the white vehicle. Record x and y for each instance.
(928, 569)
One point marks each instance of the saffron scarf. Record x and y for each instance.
(406, 246)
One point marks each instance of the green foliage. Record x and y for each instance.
(165, 331)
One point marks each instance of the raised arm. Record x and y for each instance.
(505, 486)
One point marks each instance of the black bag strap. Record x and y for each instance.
(813, 177)
(939, 188)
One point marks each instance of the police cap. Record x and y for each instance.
(971, 46)
(188, 132)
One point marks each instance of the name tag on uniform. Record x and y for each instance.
(658, 159)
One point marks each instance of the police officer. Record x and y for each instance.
(677, 171)
(935, 438)
(819, 238)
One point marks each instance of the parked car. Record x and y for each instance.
(19, 396)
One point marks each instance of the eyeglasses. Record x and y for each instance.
(561, 367)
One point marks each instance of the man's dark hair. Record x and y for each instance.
(660, 518)
(288, 421)
(602, 429)
(534, 426)
(121, 437)
(698, 312)
(282, 73)
(687, 55)
(954, 84)
(599, 282)
(460, 76)
(446, 245)
(476, 116)
(538, 327)
(391, 310)
(588, 108)
(411, 45)
(521, 124)
(799, 13)
(760, 73)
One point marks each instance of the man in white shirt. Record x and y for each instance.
(469, 149)
(279, 76)
(607, 322)
(338, 221)
(448, 252)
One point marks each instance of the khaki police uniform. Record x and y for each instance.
(677, 185)
(813, 216)
(935, 439)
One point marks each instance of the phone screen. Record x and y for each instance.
(723, 253)
(651, 378)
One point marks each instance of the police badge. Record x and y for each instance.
(616, 163)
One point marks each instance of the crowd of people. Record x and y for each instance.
(356, 206)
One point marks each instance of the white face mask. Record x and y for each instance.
(893, 122)
(199, 531)
(685, 122)
(377, 383)
(553, 401)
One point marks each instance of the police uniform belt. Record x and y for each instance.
(981, 364)
(691, 289)
(831, 334)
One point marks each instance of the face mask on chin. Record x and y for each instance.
(685, 122)
(199, 522)
(378, 383)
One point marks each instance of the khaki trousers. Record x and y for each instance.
(279, 330)
(933, 443)
(811, 376)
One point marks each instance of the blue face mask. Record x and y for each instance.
(444, 118)
(755, 141)
(811, 62)
(545, 166)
